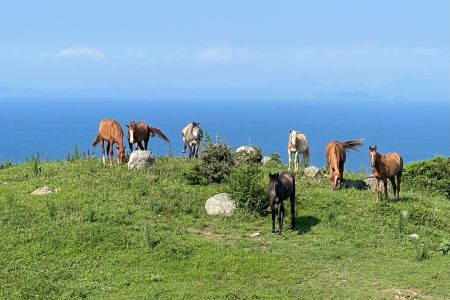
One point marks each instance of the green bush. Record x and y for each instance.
(247, 187)
(433, 175)
(214, 165)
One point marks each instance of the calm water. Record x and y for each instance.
(53, 127)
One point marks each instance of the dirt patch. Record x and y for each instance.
(406, 293)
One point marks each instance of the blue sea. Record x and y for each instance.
(52, 127)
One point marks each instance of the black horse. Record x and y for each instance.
(281, 186)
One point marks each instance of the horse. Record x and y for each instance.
(384, 167)
(281, 186)
(192, 135)
(336, 156)
(297, 143)
(110, 131)
(138, 132)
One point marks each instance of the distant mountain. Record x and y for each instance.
(415, 89)
(303, 88)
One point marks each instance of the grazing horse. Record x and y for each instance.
(192, 135)
(281, 186)
(336, 156)
(384, 167)
(297, 143)
(110, 131)
(138, 132)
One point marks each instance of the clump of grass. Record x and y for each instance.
(421, 251)
(403, 219)
(51, 210)
(444, 247)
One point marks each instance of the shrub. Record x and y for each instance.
(275, 158)
(214, 166)
(247, 187)
(431, 174)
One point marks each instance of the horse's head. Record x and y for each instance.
(373, 155)
(272, 189)
(120, 153)
(335, 178)
(293, 137)
(131, 131)
(197, 131)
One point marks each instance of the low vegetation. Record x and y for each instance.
(109, 233)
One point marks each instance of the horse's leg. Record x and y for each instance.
(146, 143)
(111, 153)
(385, 189)
(289, 160)
(103, 151)
(280, 217)
(394, 186)
(197, 147)
(108, 146)
(293, 209)
(131, 147)
(377, 188)
(399, 179)
(272, 208)
(296, 161)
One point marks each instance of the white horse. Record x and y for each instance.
(297, 143)
(192, 135)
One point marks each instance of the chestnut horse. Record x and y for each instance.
(192, 135)
(281, 186)
(110, 131)
(336, 153)
(138, 132)
(384, 167)
(297, 143)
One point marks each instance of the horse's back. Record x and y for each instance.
(287, 181)
(394, 161)
(110, 129)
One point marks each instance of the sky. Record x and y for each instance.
(76, 45)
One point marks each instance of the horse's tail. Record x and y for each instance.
(96, 140)
(352, 145)
(307, 156)
(155, 131)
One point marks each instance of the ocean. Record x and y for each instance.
(52, 127)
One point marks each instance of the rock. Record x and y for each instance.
(140, 159)
(247, 154)
(371, 183)
(313, 172)
(265, 160)
(44, 191)
(220, 205)
(414, 236)
(255, 234)
(247, 149)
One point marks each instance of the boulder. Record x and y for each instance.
(220, 205)
(140, 159)
(265, 160)
(44, 191)
(247, 149)
(371, 183)
(313, 172)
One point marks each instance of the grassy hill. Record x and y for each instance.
(110, 233)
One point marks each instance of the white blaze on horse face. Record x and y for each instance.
(335, 184)
(131, 136)
(372, 158)
(293, 137)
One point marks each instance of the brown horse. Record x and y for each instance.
(110, 131)
(138, 132)
(336, 156)
(192, 135)
(297, 143)
(384, 167)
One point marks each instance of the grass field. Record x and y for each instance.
(110, 233)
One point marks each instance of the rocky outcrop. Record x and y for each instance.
(220, 205)
(44, 191)
(313, 172)
(140, 159)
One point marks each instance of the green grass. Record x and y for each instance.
(114, 234)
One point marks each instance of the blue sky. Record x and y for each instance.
(56, 45)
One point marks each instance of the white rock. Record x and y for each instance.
(220, 205)
(140, 159)
(255, 234)
(312, 172)
(44, 191)
(414, 235)
(247, 149)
